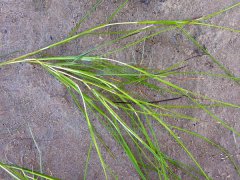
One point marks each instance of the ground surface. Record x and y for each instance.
(29, 97)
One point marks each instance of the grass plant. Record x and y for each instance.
(101, 85)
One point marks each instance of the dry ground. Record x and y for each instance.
(31, 97)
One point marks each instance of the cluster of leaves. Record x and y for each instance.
(101, 86)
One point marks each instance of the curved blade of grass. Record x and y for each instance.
(127, 149)
(112, 112)
(87, 161)
(92, 134)
(217, 26)
(12, 173)
(70, 83)
(209, 16)
(111, 17)
(90, 126)
(85, 17)
(8, 169)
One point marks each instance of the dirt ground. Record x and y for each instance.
(30, 97)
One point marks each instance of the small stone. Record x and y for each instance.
(146, 2)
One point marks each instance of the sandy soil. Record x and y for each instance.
(30, 97)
